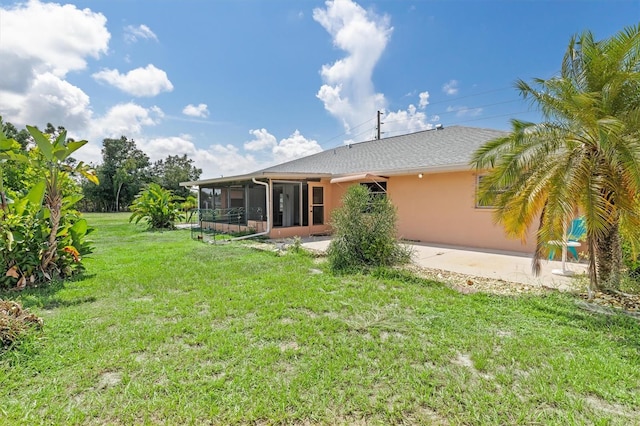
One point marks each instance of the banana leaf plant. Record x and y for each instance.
(55, 154)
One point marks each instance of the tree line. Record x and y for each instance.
(124, 171)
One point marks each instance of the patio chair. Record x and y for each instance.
(576, 232)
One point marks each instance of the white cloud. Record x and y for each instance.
(160, 148)
(200, 111)
(127, 119)
(53, 38)
(132, 33)
(463, 111)
(214, 161)
(348, 92)
(405, 121)
(295, 146)
(450, 88)
(148, 81)
(53, 100)
(424, 100)
(262, 140)
(40, 44)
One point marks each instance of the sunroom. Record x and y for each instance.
(275, 207)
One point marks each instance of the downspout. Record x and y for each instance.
(266, 190)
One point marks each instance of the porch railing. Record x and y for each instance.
(237, 220)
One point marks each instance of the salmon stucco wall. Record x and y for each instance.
(440, 208)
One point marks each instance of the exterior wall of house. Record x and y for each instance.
(441, 208)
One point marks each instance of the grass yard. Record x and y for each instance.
(166, 330)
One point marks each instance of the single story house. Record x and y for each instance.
(426, 175)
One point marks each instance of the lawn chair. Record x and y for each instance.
(576, 232)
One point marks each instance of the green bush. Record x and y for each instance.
(365, 233)
(157, 206)
(24, 232)
(42, 237)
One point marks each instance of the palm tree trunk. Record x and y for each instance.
(609, 259)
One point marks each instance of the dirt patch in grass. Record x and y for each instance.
(605, 407)
(463, 360)
(425, 415)
(109, 379)
(468, 284)
(289, 346)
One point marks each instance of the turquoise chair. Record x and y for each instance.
(576, 232)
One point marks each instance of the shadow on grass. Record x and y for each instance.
(621, 328)
(45, 296)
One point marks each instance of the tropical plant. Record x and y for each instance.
(189, 206)
(364, 233)
(27, 228)
(584, 157)
(55, 154)
(159, 207)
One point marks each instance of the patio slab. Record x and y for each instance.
(512, 267)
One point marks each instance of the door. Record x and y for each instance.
(317, 213)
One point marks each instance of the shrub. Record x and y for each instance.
(15, 322)
(365, 233)
(24, 232)
(159, 207)
(41, 236)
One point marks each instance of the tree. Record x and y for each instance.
(122, 174)
(8, 152)
(11, 132)
(174, 169)
(584, 157)
(13, 167)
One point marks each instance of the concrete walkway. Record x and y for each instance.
(512, 267)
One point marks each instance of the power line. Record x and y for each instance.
(463, 109)
(347, 133)
(470, 96)
(400, 131)
(375, 129)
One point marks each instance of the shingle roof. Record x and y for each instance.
(450, 147)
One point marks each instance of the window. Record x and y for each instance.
(487, 204)
(377, 189)
(317, 207)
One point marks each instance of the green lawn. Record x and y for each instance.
(163, 329)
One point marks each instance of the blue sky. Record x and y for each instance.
(241, 85)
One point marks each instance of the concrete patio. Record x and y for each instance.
(512, 267)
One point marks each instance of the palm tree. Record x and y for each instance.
(584, 156)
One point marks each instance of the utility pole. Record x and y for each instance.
(378, 128)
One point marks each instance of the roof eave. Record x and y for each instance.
(461, 167)
(256, 175)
